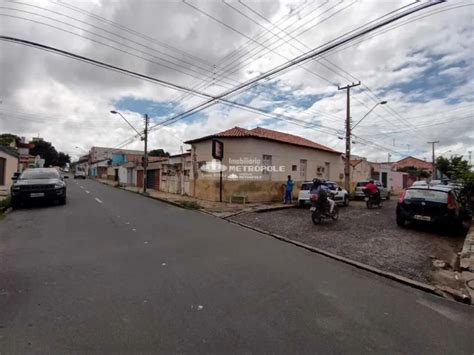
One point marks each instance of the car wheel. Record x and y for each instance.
(15, 204)
(401, 222)
(388, 196)
(300, 203)
(346, 201)
(62, 201)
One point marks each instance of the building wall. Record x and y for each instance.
(360, 172)
(263, 187)
(11, 167)
(122, 175)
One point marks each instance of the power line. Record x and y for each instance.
(221, 98)
(108, 45)
(225, 71)
(129, 30)
(313, 53)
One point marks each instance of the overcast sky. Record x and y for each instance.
(422, 65)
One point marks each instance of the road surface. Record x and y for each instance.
(114, 272)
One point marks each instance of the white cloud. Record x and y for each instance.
(67, 102)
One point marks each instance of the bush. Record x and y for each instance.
(5, 203)
(194, 205)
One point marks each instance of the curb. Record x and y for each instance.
(7, 211)
(404, 280)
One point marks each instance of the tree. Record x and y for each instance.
(46, 151)
(63, 159)
(158, 153)
(454, 168)
(8, 138)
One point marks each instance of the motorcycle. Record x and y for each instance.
(372, 200)
(320, 209)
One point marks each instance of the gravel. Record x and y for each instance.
(368, 236)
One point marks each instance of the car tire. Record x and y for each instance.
(401, 222)
(300, 203)
(15, 204)
(346, 201)
(62, 201)
(388, 196)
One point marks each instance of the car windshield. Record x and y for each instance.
(362, 183)
(306, 186)
(331, 185)
(427, 195)
(39, 174)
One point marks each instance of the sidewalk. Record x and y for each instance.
(218, 209)
(467, 264)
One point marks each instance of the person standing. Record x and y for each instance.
(289, 190)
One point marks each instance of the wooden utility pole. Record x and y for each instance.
(434, 160)
(145, 161)
(347, 168)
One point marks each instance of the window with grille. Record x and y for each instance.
(266, 161)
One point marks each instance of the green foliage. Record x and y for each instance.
(454, 168)
(51, 156)
(5, 203)
(194, 205)
(8, 138)
(158, 153)
(468, 181)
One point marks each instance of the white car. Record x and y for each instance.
(420, 183)
(340, 195)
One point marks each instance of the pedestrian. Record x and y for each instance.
(289, 190)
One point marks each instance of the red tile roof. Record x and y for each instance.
(264, 133)
(412, 161)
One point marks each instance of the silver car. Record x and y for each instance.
(359, 189)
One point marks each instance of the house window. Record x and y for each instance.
(293, 168)
(3, 163)
(266, 161)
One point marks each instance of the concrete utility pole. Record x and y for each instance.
(145, 161)
(434, 161)
(470, 154)
(347, 168)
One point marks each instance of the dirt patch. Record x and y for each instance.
(368, 236)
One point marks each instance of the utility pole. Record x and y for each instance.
(434, 161)
(145, 161)
(470, 161)
(347, 168)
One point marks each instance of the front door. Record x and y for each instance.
(140, 178)
(384, 179)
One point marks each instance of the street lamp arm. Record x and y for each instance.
(118, 113)
(373, 108)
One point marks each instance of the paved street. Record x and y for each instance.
(114, 272)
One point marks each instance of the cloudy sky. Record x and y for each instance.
(422, 65)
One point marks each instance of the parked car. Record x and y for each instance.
(420, 183)
(359, 190)
(438, 204)
(78, 174)
(38, 184)
(341, 196)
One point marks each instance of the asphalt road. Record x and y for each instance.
(115, 273)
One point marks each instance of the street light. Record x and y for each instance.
(373, 108)
(143, 137)
(347, 168)
(118, 113)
